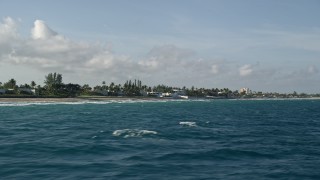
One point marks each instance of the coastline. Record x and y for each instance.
(75, 99)
(98, 98)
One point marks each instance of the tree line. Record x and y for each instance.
(55, 87)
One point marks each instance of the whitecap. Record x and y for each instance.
(14, 104)
(81, 102)
(133, 133)
(188, 123)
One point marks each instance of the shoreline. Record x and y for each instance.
(82, 99)
(75, 99)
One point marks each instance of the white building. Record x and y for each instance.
(155, 94)
(179, 94)
(245, 91)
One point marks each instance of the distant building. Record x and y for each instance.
(120, 93)
(143, 93)
(155, 94)
(179, 94)
(2, 91)
(27, 91)
(102, 92)
(245, 91)
(166, 94)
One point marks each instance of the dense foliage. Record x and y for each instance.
(54, 87)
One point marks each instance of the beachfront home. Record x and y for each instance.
(27, 91)
(245, 91)
(155, 94)
(166, 94)
(179, 94)
(143, 93)
(2, 91)
(120, 93)
(103, 92)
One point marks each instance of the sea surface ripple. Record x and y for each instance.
(219, 139)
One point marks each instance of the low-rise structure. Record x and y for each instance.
(2, 91)
(155, 94)
(245, 91)
(102, 92)
(27, 91)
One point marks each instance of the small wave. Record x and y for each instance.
(37, 103)
(44, 103)
(188, 123)
(102, 102)
(14, 104)
(126, 133)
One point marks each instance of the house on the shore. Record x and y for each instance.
(143, 93)
(2, 91)
(10, 91)
(102, 92)
(155, 94)
(120, 93)
(245, 91)
(27, 91)
(179, 94)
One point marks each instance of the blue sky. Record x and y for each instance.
(266, 45)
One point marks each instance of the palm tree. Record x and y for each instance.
(53, 82)
(13, 83)
(33, 84)
(104, 87)
(111, 86)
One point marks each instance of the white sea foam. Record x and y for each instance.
(37, 103)
(42, 103)
(114, 101)
(126, 133)
(188, 123)
(24, 103)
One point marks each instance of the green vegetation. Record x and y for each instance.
(54, 87)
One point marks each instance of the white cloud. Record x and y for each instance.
(312, 69)
(151, 63)
(42, 31)
(8, 28)
(245, 70)
(215, 69)
(8, 35)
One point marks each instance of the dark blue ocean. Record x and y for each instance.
(219, 139)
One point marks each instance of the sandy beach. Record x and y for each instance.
(94, 98)
(78, 99)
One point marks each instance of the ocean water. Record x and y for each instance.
(219, 139)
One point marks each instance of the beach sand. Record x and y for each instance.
(106, 98)
(78, 99)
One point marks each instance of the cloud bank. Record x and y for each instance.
(245, 70)
(48, 51)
